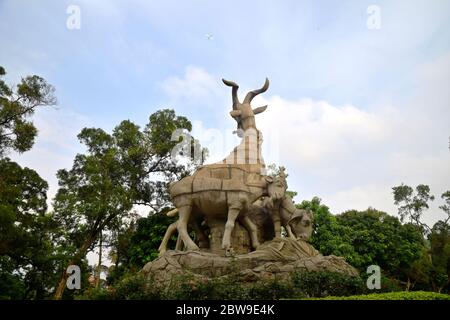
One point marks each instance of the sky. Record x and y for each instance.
(358, 102)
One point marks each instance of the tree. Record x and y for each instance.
(27, 254)
(446, 206)
(412, 205)
(119, 170)
(440, 248)
(365, 237)
(383, 240)
(27, 257)
(440, 254)
(419, 273)
(329, 237)
(16, 105)
(145, 241)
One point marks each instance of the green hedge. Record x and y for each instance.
(403, 295)
(187, 287)
(303, 285)
(323, 283)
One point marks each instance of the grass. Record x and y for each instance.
(402, 295)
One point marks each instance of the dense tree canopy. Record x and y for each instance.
(16, 105)
(412, 204)
(27, 256)
(329, 236)
(138, 243)
(119, 170)
(364, 238)
(440, 254)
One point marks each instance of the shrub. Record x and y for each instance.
(95, 294)
(390, 285)
(233, 286)
(403, 295)
(227, 288)
(271, 290)
(137, 287)
(188, 287)
(324, 283)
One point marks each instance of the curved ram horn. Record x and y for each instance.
(249, 97)
(233, 92)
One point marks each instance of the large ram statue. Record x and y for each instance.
(205, 195)
(232, 207)
(227, 188)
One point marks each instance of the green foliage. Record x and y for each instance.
(136, 287)
(231, 287)
(404, 295)
(412, 205)
(273, 289)
(12, 286)
(16, 105)
(323, 283)
(95, 294)
(28, 262)
(189, 287)
(116, 172)
(446, 206)
(366, 237)
(419, 272)
(86, 270)
(27, 259)
(329, 236)
(434, 267)
(119, 253)
(144, 243)
(373, 237)
(380, 239)
(119, 170)
(389, 284)
(131, 287)
(440, 254)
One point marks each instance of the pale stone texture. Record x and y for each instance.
(275, 258)
(234, 208)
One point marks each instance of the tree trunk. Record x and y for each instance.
(99, 267)
(62, 283)
(81, 253)
(98, 227)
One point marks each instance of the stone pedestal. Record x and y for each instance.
(240, 240)
(276, 258)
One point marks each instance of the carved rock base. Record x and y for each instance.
(275, 258)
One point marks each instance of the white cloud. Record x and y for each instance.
(351, 157)
(195, 85)
(362, 197)
(315, 132)
(381, 197)
(56, 144)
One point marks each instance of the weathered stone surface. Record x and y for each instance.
(210, 184)
(276, 258)
(234, 207)
(182, 188)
